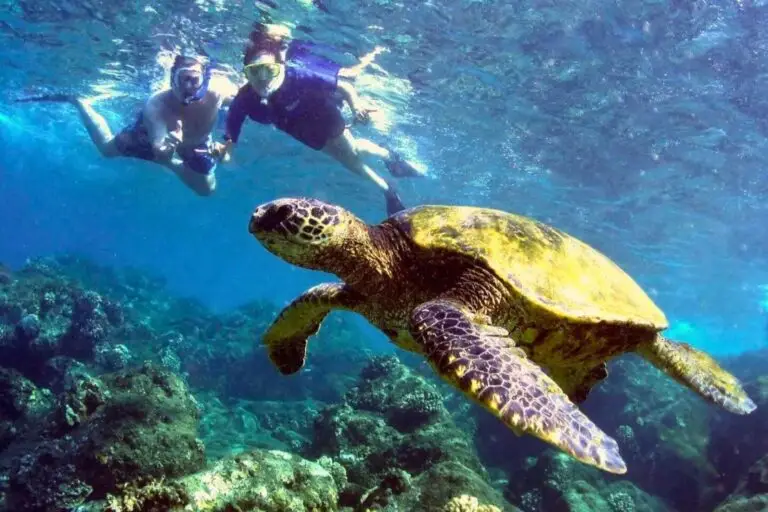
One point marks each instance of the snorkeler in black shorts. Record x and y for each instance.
(173, 128)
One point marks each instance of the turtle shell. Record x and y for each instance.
(552, 269)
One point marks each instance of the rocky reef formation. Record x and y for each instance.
(739, 446)
(268, 481)
(116, 396)
(103, 433)
(399, 445)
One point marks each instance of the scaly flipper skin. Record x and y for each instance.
(286, 339)
(699, 372)
(482, 362)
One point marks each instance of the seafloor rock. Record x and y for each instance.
(616, 497)
(107, 432)
(21, 403)
(662, 429)
(405, 400)
(43, 315)
(390, 432)
(557, 482)
(229, 359)
(430, 490)
(58, 373)
(467, 503)
(260, 480)
(241, 425)
(106, 318)
(751, 492)
(745, 504)
(738, 442)
(20, 398)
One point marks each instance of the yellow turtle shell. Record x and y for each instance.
(547, 266)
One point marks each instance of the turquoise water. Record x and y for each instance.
(636, 126)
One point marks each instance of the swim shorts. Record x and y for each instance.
(133, 141)
(199, 158)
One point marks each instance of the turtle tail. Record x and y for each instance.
(699, 372)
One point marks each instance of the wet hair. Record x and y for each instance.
(260, 41)
(185, 61)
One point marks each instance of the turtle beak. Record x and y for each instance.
(269, 218)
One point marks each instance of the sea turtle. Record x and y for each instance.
(518, 315)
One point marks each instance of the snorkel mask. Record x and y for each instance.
(264, 74)
(181, 86)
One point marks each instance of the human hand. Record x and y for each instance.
(221, 151)
(171, 141)
(175, 136)
(363, 115)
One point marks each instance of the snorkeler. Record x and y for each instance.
(276, 39)
(173, 128)
(301, 101)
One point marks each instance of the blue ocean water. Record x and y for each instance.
(637, 126)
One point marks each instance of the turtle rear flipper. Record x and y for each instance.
(483, 362)
(286, 339)
(699, 372)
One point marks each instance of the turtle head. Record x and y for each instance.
(305, 232)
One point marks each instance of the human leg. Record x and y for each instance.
(201, 184)
(97, 127)
(396, 164)
(196, 168)
(343, 149)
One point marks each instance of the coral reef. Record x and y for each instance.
(260, 480)
(107, 432)
(737, 443)
(466, 503)
(68, 307)
(238, 425)
(21, 402)
(44, 315)
(98, 369)
(740, 448)
(557, 482)
(441, 484)
(398, 444)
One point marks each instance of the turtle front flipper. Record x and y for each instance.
(286, 339)
(483, 362)
(699, 372)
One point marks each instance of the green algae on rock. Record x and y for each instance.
(260, 480)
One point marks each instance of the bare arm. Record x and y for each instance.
(349, 93)
(163, 142)
(234, 122)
